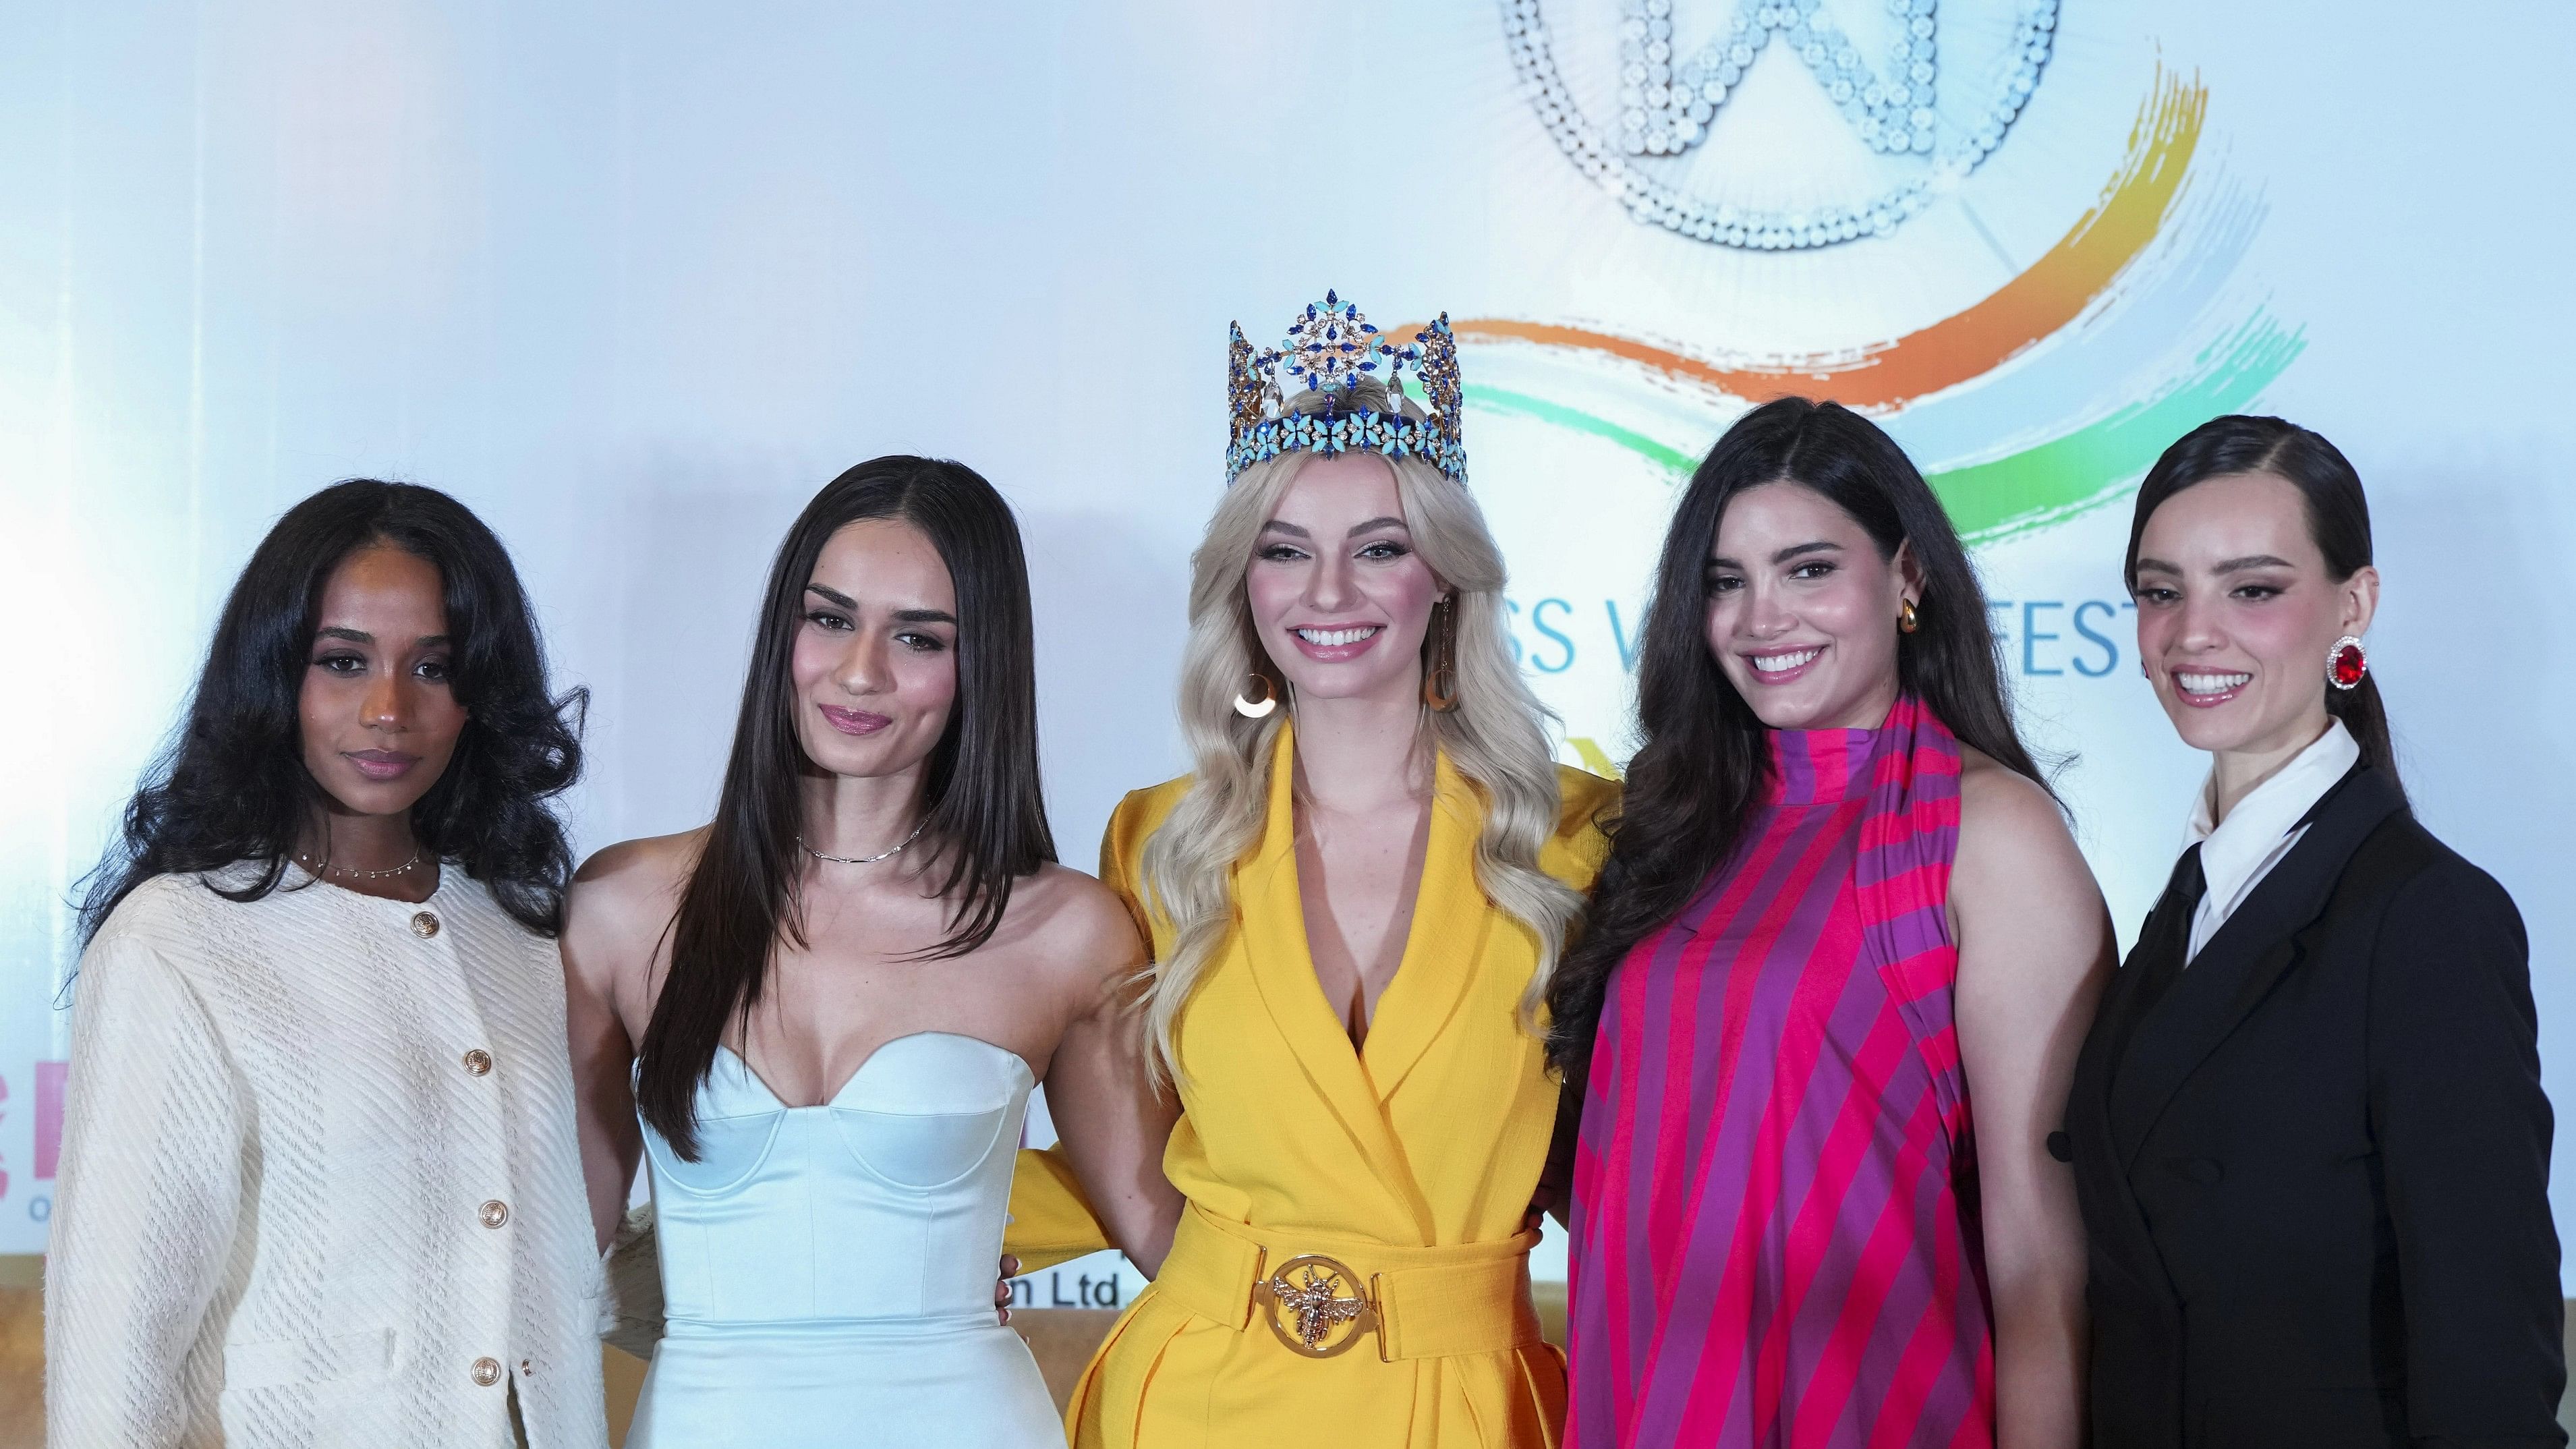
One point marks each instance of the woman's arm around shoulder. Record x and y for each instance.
(616, 933)
(148, 1195)
(1111, 1121)
(2035, 947)
(2463, 1132)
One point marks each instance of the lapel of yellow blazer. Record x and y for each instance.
(1446, 944)
(1273, 934)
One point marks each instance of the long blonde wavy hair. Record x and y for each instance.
(1495, 738)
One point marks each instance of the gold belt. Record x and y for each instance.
(1321, 1296)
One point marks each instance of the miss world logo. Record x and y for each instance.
(1679, 125)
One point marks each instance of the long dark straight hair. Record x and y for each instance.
(2338, 523)
(1704, 756)
(232, 787)
(985, 816)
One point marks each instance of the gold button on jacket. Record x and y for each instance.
(424, 924)
(487, 1371)
(495, 1213)
(478, 1061)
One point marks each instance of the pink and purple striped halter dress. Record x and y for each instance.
(1774, 1241)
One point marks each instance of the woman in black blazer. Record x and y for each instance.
(2307, 1127)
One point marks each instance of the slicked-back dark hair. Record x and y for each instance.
(2338, 523)
(1703, 757)
(233, 788)
(985, 814)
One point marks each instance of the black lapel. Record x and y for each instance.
(2242, 962)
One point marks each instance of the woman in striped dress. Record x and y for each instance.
(1842, 956)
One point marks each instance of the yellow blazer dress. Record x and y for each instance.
(1408, 1167)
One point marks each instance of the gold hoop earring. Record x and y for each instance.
(1251, 708)
(1906, 622)
(1440, 682)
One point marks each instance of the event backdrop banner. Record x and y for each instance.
(634, 281)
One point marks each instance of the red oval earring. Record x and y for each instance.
(2346, 664)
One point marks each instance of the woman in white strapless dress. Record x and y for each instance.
(825, 1262)
(820, 1016)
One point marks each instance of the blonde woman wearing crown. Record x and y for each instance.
(1354, 903)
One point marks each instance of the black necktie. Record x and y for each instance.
(2165, 945)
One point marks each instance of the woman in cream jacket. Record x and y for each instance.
(319, 1184)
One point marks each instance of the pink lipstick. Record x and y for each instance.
(381, 764)
(854, 721)
(1779, 666)
(2205, 688)
(1334, 643)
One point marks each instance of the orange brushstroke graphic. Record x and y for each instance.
(2052, 292)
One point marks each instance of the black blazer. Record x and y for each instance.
(2315, 1182)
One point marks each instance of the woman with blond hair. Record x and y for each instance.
(1354, 901)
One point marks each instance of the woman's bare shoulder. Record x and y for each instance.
(629, 862)
(1077, 925)
(2017, 862)
(2014, 840)
(1993, 796)
(623, 896)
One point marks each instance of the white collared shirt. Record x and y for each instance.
(2235, 854)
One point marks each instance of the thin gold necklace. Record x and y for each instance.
(867, 859)
(326, 868)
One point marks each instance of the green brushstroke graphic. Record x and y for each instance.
(2094, 464)
(2040, 485)
(1495, 399)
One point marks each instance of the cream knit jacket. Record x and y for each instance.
(319, 1183)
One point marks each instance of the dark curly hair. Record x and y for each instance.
(1704, 754)
(232, 786)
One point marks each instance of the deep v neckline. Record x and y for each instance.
(1448, 918)
(1405, 951)
(1453, 926)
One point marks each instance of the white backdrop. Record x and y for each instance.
(635, 280)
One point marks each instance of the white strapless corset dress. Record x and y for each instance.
(828, 1271)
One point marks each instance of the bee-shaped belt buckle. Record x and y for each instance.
(1316, 1305)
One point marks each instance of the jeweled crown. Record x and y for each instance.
(1330, 348)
